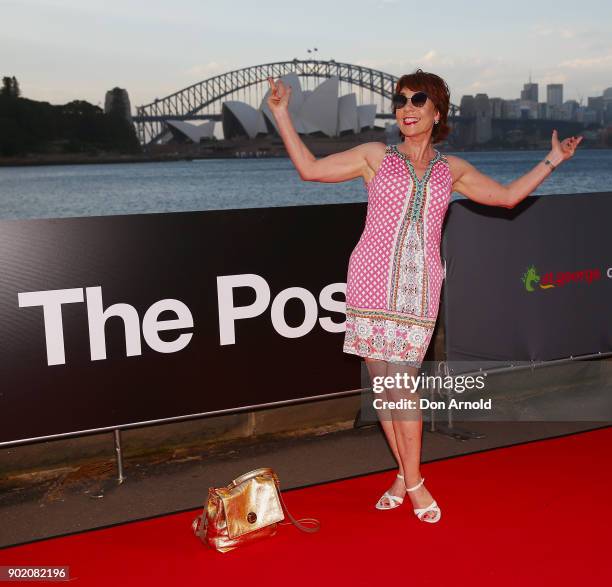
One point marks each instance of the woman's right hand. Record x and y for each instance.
(279, 96)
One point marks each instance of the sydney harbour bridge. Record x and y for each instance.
(203, 100)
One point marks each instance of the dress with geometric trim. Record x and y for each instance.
(395, 272)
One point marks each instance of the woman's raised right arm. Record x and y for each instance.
(343, 166)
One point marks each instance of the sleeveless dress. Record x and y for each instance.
(395, 273)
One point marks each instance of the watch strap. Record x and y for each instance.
(550, 164)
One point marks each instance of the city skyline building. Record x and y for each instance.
(554, 94)
(530, 92)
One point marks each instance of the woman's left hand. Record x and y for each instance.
(563, 150)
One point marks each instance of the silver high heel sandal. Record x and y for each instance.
(433, 507)
(394, 500)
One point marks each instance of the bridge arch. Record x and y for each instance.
(191, 102)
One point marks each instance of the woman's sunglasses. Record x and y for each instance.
(400, 100)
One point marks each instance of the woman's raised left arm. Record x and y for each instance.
(483, 189)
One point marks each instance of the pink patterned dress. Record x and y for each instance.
(395, 273)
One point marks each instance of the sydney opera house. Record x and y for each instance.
(319, 112)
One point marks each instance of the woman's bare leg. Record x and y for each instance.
(408, 425)
(378, 368)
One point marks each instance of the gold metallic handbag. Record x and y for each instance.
(249, 508)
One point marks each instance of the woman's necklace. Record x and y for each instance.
(415, 162)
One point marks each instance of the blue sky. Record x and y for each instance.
(66, 49)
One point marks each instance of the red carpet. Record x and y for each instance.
(533, 514)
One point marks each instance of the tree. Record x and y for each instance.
(7, 87)
(16, 90)
(28, 126)
(10, 87)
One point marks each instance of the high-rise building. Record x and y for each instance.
(542, 110)
(607, 105)
(511, 109)
(530, 92)
(586, 115)
(467, 107)
(554, 94)
(482, 110)
(496, 107)
(595, 104)
(569, 110)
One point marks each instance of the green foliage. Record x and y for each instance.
(28, 126)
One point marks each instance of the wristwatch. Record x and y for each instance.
(549, 163)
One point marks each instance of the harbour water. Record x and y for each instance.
(215, 184)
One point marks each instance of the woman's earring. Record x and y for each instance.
(436, 121)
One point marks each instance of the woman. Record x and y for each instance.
(395, 274)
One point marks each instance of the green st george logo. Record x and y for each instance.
(532, 280)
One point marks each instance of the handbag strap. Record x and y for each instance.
(297, 523)
(263, 471)
(269, 472)
(197, 525)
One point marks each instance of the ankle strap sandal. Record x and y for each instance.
(394, 500)
(433, 507)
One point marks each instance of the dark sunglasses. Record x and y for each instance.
(400, 100)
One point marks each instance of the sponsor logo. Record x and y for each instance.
(530, 278)
(532, 281)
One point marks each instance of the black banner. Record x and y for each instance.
(529, 283)
(113, 320)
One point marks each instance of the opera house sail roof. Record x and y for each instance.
(312, 111)
(319, 111)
